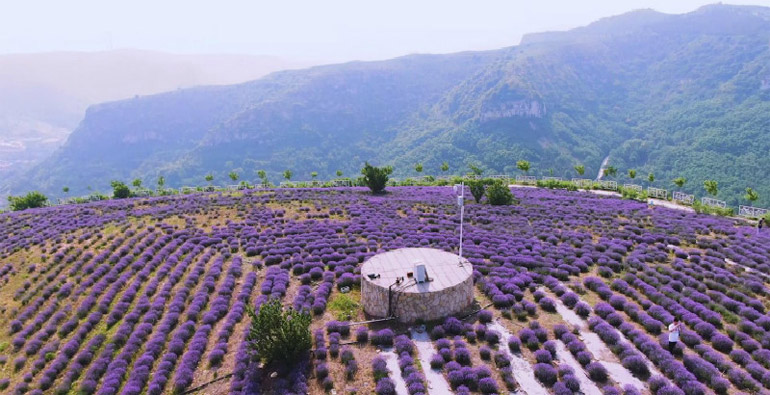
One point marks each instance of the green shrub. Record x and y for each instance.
(701, 208)
(499, 195)
(556, 184)
(32, 199)
(278, 334)
(632, 194)
(120, 190)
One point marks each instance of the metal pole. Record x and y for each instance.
(462, 212)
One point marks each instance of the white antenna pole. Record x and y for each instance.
(462, 211)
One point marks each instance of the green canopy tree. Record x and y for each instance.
(580, 169)
(339, 173)
(610, 171)
(711, 187)
(751, 195)
(475, 170)
(444, 167)
(120, 190)
(418, 168)
(262, 176)
(376, 178)
(478, 188)
(65, 189)
(209, 178)
(287, 175)
(137, 183)
(523, 165)
(680, 181)
(233, 175)
(651, 178)
(161, 182)
(632, 174)
(313, 175)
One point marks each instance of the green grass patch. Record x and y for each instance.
(345, 306)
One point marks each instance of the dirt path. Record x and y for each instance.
(437, 384)
(600, 350)
(395, 372)
(522, 369)
(587, 386)
(748, 269)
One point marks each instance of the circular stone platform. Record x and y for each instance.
(449, 289)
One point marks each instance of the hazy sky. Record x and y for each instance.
(321, 30)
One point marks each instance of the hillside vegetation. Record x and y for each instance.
(673, 95)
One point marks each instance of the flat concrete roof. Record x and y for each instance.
(445, 269)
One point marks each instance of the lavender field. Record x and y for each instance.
(148, 296)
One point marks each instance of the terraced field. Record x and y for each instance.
(575, 290)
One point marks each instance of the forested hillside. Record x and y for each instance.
(673, 95)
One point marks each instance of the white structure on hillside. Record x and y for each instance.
(752, 212)
(713, 202)
(684, 198)
(657, 193)
(633, 187)
(527, 180)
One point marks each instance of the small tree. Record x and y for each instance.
(120, 190)
(209, 178)
(32, 199)
(610, 171)
(339, 173)
(651, 178)
(477, 188)
(751, 195)
(137, 183)
(679, 181)
(313, 175)
(523, 165)
(477, 171)
(287, 175)
(376, 177)
(161, 182)
(277, 334)
(580, 169)
(418, 168)
(632, 174)
(262, 176)
(711, 186)
(65, 189)
(444, 167)
(233, 175)
(499, 195)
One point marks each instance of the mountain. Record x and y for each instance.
(44, 96)
(676, 95)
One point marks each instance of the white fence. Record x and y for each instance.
(342, 182)
(286, 184)
(188, 189)
(682, 197)
(713, 202)
(610, 185)
(657, 193)
(634, 187)
(500, 177)
(752, 212)
(526, 180)
(142, 192)
(582, 182)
